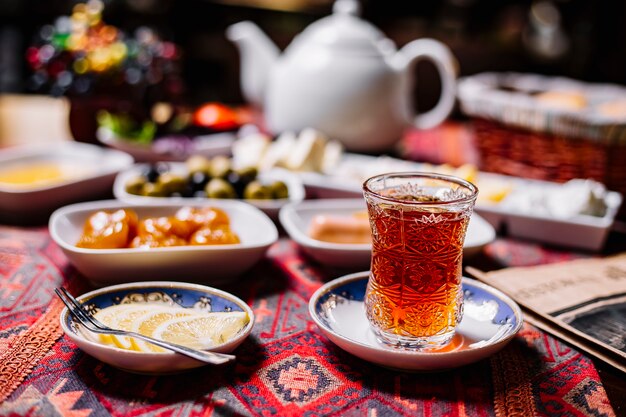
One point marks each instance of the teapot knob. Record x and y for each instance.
(347, 7)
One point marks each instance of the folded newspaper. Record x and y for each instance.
(581, 301)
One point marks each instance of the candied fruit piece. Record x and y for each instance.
(105, 230)
(161, 231)
(201, 217)
(220, 235)
(190, 226)
(156, 241)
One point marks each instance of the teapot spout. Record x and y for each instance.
(257, 56)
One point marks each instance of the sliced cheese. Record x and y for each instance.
(248, 150)
(308, 152)
(333, 153)
(278, 152)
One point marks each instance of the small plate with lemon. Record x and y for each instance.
(188, 314)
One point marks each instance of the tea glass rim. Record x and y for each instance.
(422, 174)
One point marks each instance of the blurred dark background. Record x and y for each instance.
(581, 39)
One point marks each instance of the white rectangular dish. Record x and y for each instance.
(296, 219)
(209, 264)
(579, 231)
(84, 172)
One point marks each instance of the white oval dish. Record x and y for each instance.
(184, 294)
(347, 178)
(207, 145)
(269, 207)
(211, 264)
(93, 170)
(490, 321)
(296, 218)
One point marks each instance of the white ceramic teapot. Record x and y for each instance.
(342, 77)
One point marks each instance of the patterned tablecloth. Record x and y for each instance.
(286, 368)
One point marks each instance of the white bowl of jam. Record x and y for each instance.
(35, 180)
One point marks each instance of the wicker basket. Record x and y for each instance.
(517, 134)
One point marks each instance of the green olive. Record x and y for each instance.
(220, 167)
(279, 189)
(257, 191)
(135, 185)
(248, 173)
(172, 183)
(219, 188)
(151, 189)
(198, 163)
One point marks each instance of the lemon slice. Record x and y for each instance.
(175, 323)
(148, 322)
(202, 331)
(109, 316)
(122, 316)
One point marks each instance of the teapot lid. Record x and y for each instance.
(345, 30)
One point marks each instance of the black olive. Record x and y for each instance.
(151, 174)
(238, 182)
(188, 191)
(198, 180)
(153, 171)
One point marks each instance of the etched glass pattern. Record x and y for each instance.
(414, 297)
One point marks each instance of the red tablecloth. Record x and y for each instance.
(286, 368)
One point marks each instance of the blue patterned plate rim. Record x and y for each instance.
(184, 294)
(353, 286)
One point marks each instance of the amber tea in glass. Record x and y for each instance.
(414, 298)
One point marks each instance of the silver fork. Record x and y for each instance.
(76, 310)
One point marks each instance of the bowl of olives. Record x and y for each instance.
(204, 178)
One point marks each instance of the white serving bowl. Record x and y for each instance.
(211, 264)
(296, 219)
(97, 168)
(269, 207)
(168, 293)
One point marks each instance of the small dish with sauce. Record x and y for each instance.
(310, 224)
(35, 180)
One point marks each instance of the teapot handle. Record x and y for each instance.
(444, 61)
